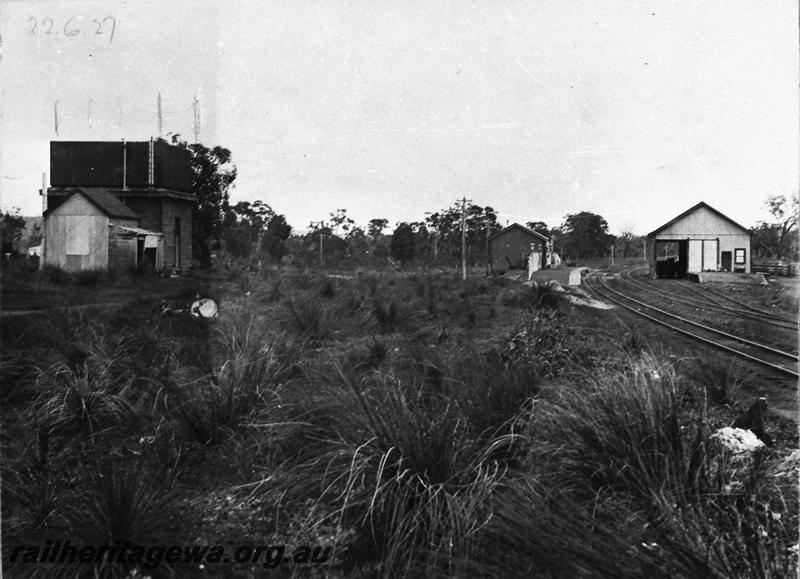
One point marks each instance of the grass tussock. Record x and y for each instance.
(537, 296)
(86, 398)
(628, 441)
(624, 431)
(309, 318)
(538, 531)
(245, 388)
(722, 378)
(388, 315)
(124, 501)
(407, 469)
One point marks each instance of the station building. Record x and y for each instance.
(511, 247)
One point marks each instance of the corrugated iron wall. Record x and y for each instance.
(102, 164)
(172, 168)
(90, 164)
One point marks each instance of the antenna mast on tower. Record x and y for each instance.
(196, 107)
(160, 118)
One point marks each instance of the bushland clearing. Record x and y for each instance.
(417, 424)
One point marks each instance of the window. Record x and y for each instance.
(739, 256)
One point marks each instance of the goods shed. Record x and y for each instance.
(699, 239)
(509, 248)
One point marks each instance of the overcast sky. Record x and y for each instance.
(634, 110)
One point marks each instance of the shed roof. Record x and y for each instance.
(692, 210)
(135, 231)
(131, 192)
(104, 201)
(522, 228)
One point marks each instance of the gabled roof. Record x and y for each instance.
(104, 201)
(692, 210)
(521, 227)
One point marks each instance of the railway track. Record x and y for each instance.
(700, 332)
(709, 304)
(748, 306)
(731, 303)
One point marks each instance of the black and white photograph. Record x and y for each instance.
(370, 288)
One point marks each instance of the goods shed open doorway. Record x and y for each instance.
(672, 258)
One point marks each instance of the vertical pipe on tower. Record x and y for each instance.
(44, 220)
(151, 163)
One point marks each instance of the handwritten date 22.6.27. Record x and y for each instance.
(73, 27)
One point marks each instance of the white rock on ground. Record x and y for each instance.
(738, 440)
(204, 308)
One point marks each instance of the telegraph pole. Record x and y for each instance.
(320, 224)
(612, 255)
(55, 116)
(487, 251)
(435, 238)
(464, 201)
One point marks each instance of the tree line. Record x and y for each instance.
(254, 230)
(248, 229)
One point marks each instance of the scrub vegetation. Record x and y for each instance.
(417, 424)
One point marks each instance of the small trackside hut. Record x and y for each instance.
(699, 239)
